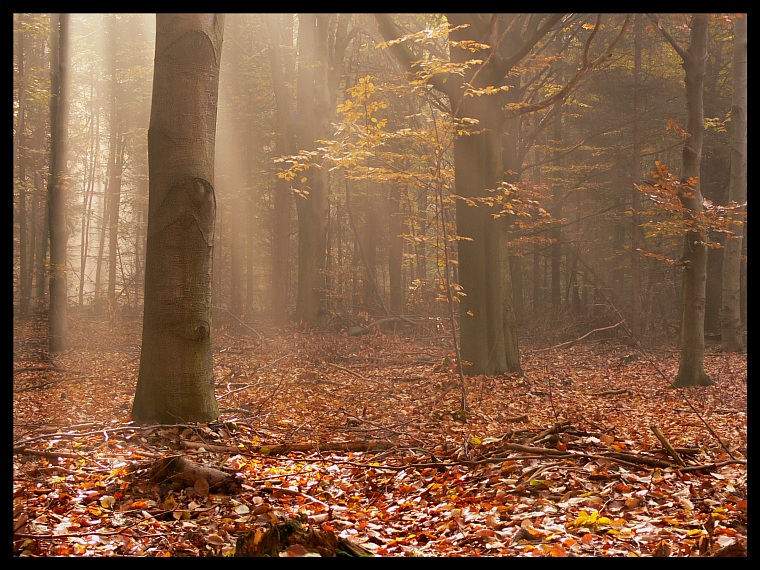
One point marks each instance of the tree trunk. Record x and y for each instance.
(59, 103)
(731, 323)
(176, 379)
(691, 370)
(395, 251)
(636, 311)
(281, 33)
(116, 162)
(19, 155)
(488, 337)
(312, 203)
(89, 190)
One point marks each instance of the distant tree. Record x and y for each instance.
(636, 316)
(691, 370)
(485, 53)
(312, 200)
(280, 29)
(59, 118)
(117, 147)
(176, 380)
(731, 323)
(20, 161)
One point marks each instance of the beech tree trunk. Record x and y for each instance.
(731, 323)
(116, 161)
(488, 333)
(281, 34)
(691, 370)
(59, 107)
(636, 311)
(395, 251)
(176, 380)
(312, 204)
(19, 157)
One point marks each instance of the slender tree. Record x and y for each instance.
(691, 371)
(20, 161)
(281, 33)
(176, 380)
(312, 201)
(116, 146)
(731, 323)
(59, 118)
(636, 314)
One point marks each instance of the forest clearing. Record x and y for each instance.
(355, 434)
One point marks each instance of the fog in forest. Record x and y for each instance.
(589, 234)
(392, 284)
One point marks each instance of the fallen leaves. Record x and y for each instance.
(356, 436)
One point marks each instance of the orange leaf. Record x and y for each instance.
(556, 551)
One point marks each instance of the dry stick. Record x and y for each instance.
(359, 376)
(570, 342)
(611, 392)
(38, 369)
(666, 444)
(651, 360)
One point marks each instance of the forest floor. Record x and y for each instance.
(360, 436)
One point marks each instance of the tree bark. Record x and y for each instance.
(488, 335)
(691, 370)
(176, 380)
(116, 161)
(636, 311)
(58, 181)
(282, 71)
(19, 155)
(731, 323)
(312, 203)
(395, 251)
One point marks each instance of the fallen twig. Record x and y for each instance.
(571, 342)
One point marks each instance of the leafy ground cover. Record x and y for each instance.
(360, 436)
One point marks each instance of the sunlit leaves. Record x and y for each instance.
(672, 211)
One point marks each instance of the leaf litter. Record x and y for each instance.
(359, 435)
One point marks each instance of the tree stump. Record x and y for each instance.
(291, 539)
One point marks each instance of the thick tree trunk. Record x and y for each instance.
(691, 371)
(57, 189)
(488, 333)
(731, 323)
(176, 380)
